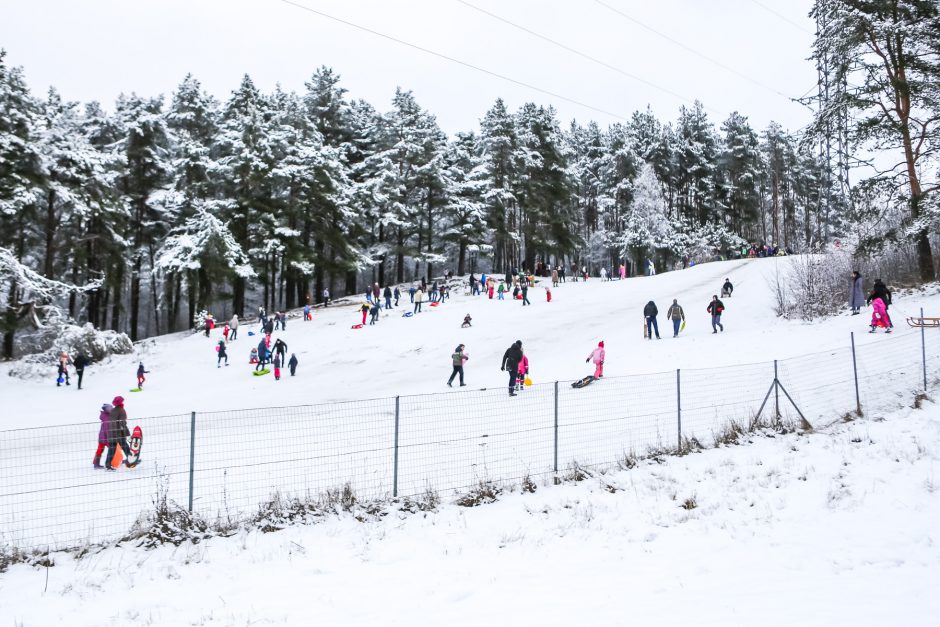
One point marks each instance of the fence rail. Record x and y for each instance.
(225, 464)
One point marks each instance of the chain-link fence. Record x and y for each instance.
(224, 465)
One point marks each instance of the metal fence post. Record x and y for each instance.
(395, 477)
(192, 456)
(923, 348)
(858, 402)
(776, 392)
(679, 407)
(556, 426)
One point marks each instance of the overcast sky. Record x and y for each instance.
(95, 49)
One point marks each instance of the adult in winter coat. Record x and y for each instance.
(80, 362)
(104, 416)
(280, 348)
(510, 363)
(233, 325)
(397, 295)
(419, 298)
(222, 354)
(375, 292)
(411, 293)
(117, 432)
(856, 295)
(555, 277)
(727, 288)
(597, 356)
(715, 308)
(292, 364)
(374, 313)
(603, 274)
(388, 297)
(458, 359)
(879, 316)
(326, 297)
(262, 355)
(650, 312)
(677, 316)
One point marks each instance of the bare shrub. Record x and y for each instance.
(427, 501)
(808, 287)
(528, 485)
(168, 523)
(485, 491)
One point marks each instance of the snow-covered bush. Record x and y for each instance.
(812, 286)
(199, 321)
(59, 335)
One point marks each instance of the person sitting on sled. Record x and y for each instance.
(466, 322)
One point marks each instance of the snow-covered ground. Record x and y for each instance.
(830, 527)
(838, 527)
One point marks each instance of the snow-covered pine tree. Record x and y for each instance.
(464, 215)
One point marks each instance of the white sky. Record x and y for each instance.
(95, 49)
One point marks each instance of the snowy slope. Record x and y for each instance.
(832, 528)
(412, 355)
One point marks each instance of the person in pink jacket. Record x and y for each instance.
(879, 316)
(597, 356)
(522, 372)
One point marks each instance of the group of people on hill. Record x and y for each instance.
(676, 314)
(879, 298)
(79, 363)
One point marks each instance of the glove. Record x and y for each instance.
(587, 360)
(502, 368)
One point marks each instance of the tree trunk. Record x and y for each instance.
(135, 296)
(48, 266)
(461, 253)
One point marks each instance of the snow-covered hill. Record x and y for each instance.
(400, 356)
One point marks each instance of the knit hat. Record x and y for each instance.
(118, 401)
(601, 344)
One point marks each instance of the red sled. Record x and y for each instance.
(137, 439)
(435, 304)
(358, 326)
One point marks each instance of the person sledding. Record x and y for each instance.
(597, 356)
(726, 289)
(466, 322)
(140, 376)
(879, 316)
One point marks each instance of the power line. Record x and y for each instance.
(782, 17)
(579, 53)
(688, 49)
(457, 61)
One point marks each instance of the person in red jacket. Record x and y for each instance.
(597, 356)
(522, 372)
(715, 308)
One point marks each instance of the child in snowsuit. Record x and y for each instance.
(466, 322)
(277, 367)
(397, 295)
(879, 316)
(222, 354)
(597, 356)
(104, 416)
(522, 371)
(306, 313)
(253, 356)
(140, 375)
(501, 290)
(365, 311)
(225, 332)
(292, 364)
(63, 370)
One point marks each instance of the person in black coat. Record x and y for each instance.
(80, 362)
(650, 312)
(511, 359)
(292, 364)
(280, 348)
(388, 297)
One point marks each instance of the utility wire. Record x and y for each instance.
(689, 49)
(782, 17)
(578, 52)
(458, 61)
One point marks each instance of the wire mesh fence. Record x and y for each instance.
(224, 465)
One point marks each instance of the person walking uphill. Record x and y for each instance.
(387, 294)
(80, 362)
(104, 416)
(292, 364)
(677, 316)
(233, 325)
(715, 308)
(856, 294)
(510, 363)
(650, 312)
(458, 359)
(117, 432)
(419, 298)
(597, 356)
(223, 354)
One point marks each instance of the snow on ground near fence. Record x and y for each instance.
(832, 528)
(402, 356)
(447, 440)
